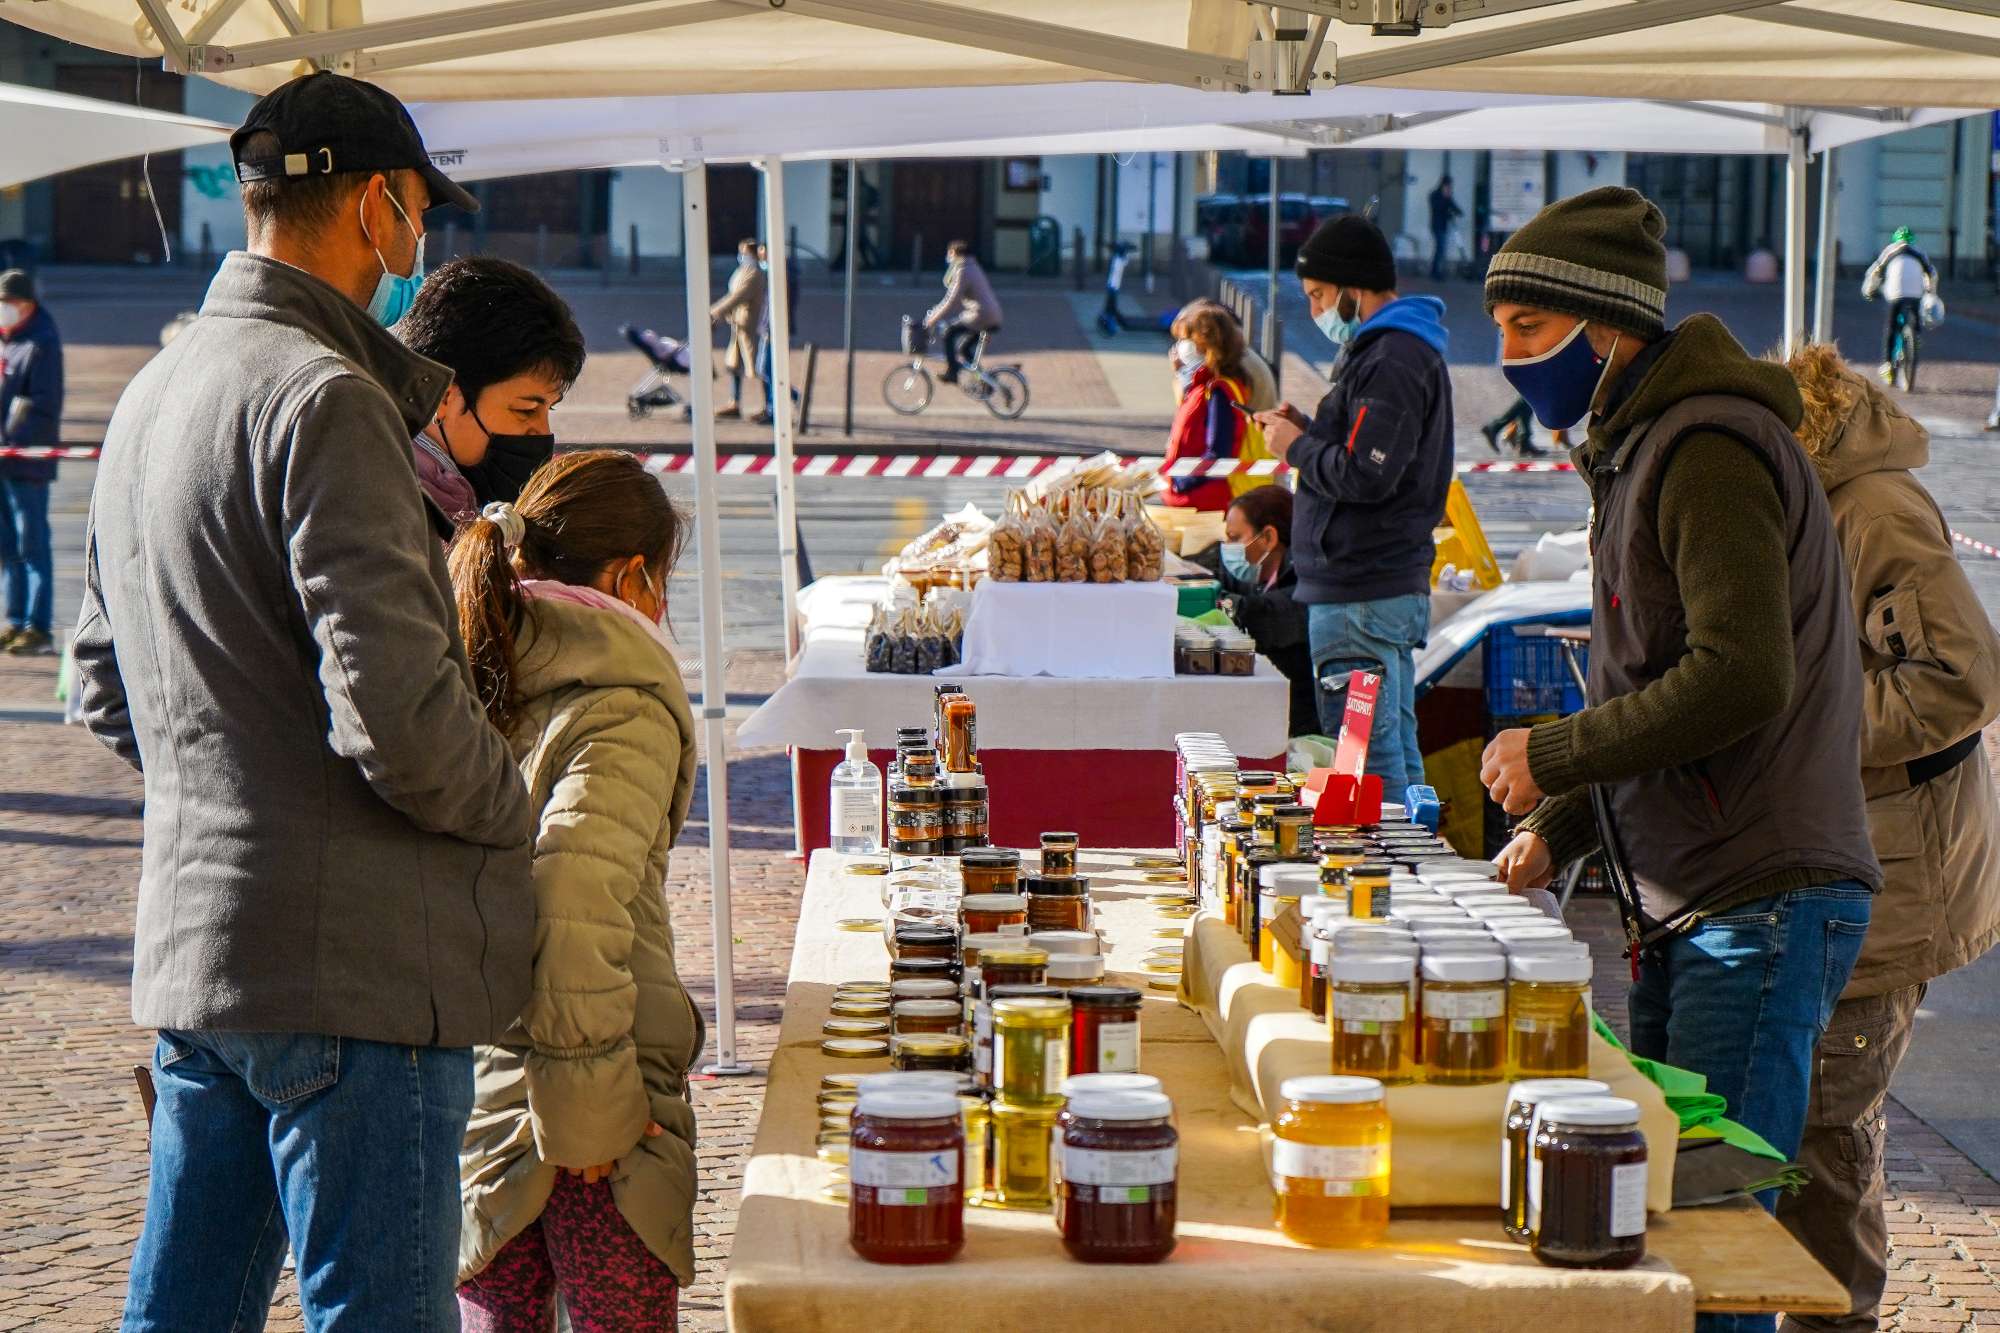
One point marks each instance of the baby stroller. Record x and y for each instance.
(669, 357)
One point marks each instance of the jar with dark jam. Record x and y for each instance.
(904, 969)
(1104, 1030)
(989, 869)
(1058, 855)
(906, 1174)
(941, 1051)
(1593, 1184)
(1057, 902)
(921, 941)
(1516, 1133)
(1120, 1163)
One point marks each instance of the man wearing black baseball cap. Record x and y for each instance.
(1374, 466)
(334, 905)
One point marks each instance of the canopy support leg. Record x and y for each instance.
(1829, 247)
(1795, 232)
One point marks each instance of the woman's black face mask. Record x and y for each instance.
(510, 460)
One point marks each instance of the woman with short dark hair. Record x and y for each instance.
(1254, 566)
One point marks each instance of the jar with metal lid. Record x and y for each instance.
(1120, 1161)
(975, 1108)
(1012, 964)
(1030, 1050)
(1250, 879)
(1271, 956)
(1058, 855)
(1077, 1084)
(989, 869)
(915, 816)
(1071, 971)
(1367, 887)
(1254, 782)
(1066, 941)
(1293, 829)
(905, 1166)
(958, 733)
(859, 1007)
(1371, 1018)
(1330, 1161)
(901, 969)
(1057, 902)
(916, 940)
(1465, 1018)
(1316, 912)
(965, 815)
(927, 1016)
(856, 1027)
(1235, 843)
(1264, 818)
(1593, 1183)
(920, 766)
(982, 1021)
(931, 1050)
(1548, 1008)
(923, 988)
(974, 945)
(1104, 1030)
(1574, 949)
(1517, 1135)
(1023, 1173)
(989, 913)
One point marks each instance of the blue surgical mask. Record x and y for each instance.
(1236, 559)
(1337, 327)
(393, 295)
(1561, 383)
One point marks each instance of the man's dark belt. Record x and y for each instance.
(1941, 763)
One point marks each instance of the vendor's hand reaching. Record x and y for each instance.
(1524, 863)
(592, 1174)
(1282, 428)
(1504, 772)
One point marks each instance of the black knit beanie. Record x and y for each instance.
(1598, 255)
(1348, 251)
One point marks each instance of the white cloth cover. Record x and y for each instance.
(1075, 631)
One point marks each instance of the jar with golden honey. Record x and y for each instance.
(1057, 902)
(1264, 819)
(1330, 1161)
(910, 1016)
(1370, 1016)
(1548, 1016)
(1030, 1050)
(1367, 887)
(930, 1051)
(1058, 854)
(1023, 1141)
(1465, 1018)
(989, 869)
(990, 913)
(1292, 831)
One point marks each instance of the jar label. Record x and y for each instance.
(1471, 1007)
(855, 813)
(1118, 1048)
(903, 1178)
(1388, 1008)
(1093, 1166)
(1356, 1172)
(982, 1041)
(1628, 1199)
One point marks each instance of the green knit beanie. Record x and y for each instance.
(1597, 255)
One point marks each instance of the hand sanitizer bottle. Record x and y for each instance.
(856, 800)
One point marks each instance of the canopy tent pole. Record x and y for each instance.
(708, 550)
(1269, 340)
(847, 315)
(780, 288)
(1829, 248)
(1795, 231)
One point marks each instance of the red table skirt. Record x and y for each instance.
(1108, 798)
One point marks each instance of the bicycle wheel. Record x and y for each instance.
(907, 389)
(1907, 369)
(1006, 393)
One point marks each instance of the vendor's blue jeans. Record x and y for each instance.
(25, 555)
(1383, 637)
(346, 1149)
(1743, 1000)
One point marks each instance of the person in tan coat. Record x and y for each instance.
(578, 1168)
(1931, 666)
(742, 309)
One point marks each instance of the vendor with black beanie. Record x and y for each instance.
(1373, 466)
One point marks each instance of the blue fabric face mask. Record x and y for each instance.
(1561, 383)
(1236, 559)
(1337, 327)
(393, 295)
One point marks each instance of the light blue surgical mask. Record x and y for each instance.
(1561, 383)
(394, 295)
(1236, 559)
(1337, 327)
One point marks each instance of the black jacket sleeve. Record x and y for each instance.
(1366, 432)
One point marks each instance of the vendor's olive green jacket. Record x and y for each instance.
(606, 743)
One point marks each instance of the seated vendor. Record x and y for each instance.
(1254, 565)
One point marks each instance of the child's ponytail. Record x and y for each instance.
(489, 606)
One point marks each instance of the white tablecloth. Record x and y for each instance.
(1077, 631)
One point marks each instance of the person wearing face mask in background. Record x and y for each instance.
(742, 309)
(1253, 562)
(1374, 467)
(513, 350)
(334, 905)
(1256, 370)
(1211, 421)
(1725, 735)
(31, 406)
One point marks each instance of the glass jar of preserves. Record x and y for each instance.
(930, 1051)
(976, 1111)
(1030, 1050)
(915, 817)
(1077, 1084)
(1264, 819)
(1058, 855)
(1235, 654)
(1012, 964)
(1058, 902)
(1104, 1030)
(927, 1016)
(905, 1167)
(1334, 858)
(903, 969)
(1254, 782)
(1293, 828)
(989, 869)
(1120, 1163)
(965, 817)
(920, 766)
(1372, 1021)
(1315, 911)
(1593, 1184)
(859, 1007)
(1465, 1018)
(1250, 882)
(982, 1022)
(1066, 941)
(989, 913)
(1367, 888)
(1022, 1170)
(1271, 956)
(918, 940)
(856, 1027)
(1517, 1135)
(958, 733)
(1074, 971)
(923, 988)
(1330, 1161)
(1548, 1016)
(1235, 844)
(971, 946)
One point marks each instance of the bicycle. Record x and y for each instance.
(1903, 347)
(907, 389)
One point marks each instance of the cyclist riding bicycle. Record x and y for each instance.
(1903, 276)
(969, 305)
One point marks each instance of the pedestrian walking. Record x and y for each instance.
(579, 1167)
(1930, 664)
(741, 309)
(1211, 419)
(31, 408)
(1257, 373)
(1726, 736)
(765, 351)
(1374, 467)
(513, 350)
(334, 902)
(1444, 212)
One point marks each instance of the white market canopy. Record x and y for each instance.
(1796, 52)
(49, 132)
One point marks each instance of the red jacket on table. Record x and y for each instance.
(1206, 426)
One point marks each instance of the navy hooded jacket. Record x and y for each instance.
(1375, 466)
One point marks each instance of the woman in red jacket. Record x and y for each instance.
(1211, 422)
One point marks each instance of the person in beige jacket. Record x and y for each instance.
(578, 1168)
(742, 309)
(1931, 667)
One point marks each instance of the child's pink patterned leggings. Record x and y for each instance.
(610, 1281)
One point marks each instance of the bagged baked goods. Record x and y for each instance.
(1145, 544)
(1073, 545)
(878, 653)
(1107, 546)
(1007, 544)
(1038, 557)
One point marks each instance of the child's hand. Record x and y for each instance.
(592, 1174)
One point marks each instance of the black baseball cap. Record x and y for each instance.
(329, 123)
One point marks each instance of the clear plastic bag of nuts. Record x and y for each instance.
(1107, 544)
(1038, 556)
(1007, 544)
(1145, 544)
(1073, 545)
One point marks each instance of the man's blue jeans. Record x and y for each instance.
(25, 554)
(348, 1149)
(1743, 1000)
(1381, 636)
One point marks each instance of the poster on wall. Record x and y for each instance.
(1519, 188)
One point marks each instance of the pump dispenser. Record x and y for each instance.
(855, 797)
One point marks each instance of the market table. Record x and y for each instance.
(1090, 756)
(1441, 1268)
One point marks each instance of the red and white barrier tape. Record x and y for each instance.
(1978, 546)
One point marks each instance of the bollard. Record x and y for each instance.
(632, 250)
(806, 392)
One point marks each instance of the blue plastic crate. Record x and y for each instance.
(1526, 675)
